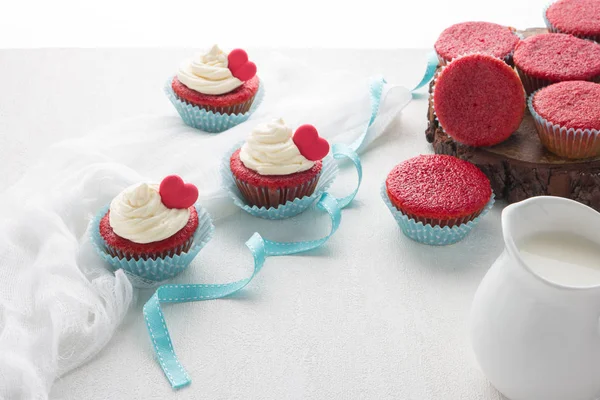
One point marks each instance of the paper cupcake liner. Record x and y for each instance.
(565, 142)
(153, 272)
(432, 235)
(269, 197)
(290, 208)
(219, 119)
(554, 29)
(532, 83)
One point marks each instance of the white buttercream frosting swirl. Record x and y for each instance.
(208, 73)
(270, 150)
(138, 214)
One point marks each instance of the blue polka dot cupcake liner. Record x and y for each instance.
(287, 210)
(153, 272)
(432, 235)
(209, 121)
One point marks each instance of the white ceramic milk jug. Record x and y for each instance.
(535, 321)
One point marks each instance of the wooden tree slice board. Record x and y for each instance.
(521, 167)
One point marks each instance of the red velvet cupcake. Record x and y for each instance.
(438, 190)
(148, 221)
(555, 57)
(218, 82)
(274, 166)
(567, 118)
(476, 37)
(478, 100)
(579, 18)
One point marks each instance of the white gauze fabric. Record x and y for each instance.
(59, 305)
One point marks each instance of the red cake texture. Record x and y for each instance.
(176, 244)
(556, 57)
(576, 17)
(479, 100)
(475, 37)
(574, 104)
(438, 189)
(273, 190)
(237, 101)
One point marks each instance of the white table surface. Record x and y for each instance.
(371, 315)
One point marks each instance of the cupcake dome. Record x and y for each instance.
(438, 190)
(556, 57)
(478, 100)
(580, 18)
(476, 37)
(567, 118)
(574, 104)
(275, 165)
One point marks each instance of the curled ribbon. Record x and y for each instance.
(260, 248)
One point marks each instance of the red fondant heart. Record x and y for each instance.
(240, 67)
(176, 194)
(311, 145)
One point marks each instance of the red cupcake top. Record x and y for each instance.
(573, 104)
(558, 57)
(438, 187)
(580, 17)
(479, 100)
(476, 37)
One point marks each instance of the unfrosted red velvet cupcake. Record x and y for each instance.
(476, 37)
(544, 59)
(218, 82)
(148, 221)
(567, 118)
(275, 166)
(438, 190)
(478, 100)
(579, 18)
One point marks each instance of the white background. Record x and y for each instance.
(247, 23)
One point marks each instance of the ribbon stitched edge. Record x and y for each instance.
(260, 249)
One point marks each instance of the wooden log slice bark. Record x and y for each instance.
(521, 167)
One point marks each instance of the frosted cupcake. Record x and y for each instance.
(152, 231)
(150, 221)
(218, 82)
(215, 91)
(276, 165)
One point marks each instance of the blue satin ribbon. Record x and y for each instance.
(432, 64)
(260, 248)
